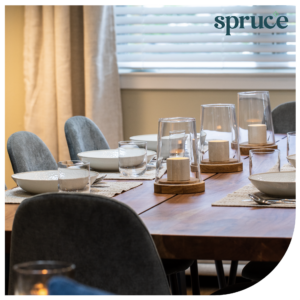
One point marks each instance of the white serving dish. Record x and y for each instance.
(151, 139)
(38, 182)
(277, 184)
(108, 159)
(292, 160)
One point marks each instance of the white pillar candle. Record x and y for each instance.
(178, 168)
(218, 150)
(257, 134)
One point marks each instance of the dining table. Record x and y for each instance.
(187, 226)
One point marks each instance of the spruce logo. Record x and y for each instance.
(239, 21)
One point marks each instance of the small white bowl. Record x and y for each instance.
(292, 160)
(38, 182)
(277, 184)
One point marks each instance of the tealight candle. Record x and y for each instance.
(178, 168)
(218, 150)
(257, 134)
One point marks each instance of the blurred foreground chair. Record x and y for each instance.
(83, 134)
(284, 117)
(106, 240)
(27, 152)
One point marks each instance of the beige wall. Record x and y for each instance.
(14, 84)
(141, 108)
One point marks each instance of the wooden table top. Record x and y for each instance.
(187, 226)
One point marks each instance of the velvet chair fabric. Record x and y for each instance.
(106, 240)
(284, 117)
(27, 152)
(59, 285)
(83, 134)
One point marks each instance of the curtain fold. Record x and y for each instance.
(70, 68)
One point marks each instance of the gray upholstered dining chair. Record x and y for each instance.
(83, 134)
(27, 152)
(284, 117)
(106, 240)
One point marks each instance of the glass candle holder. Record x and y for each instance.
(177, 148)
(31, 278)
(255, 119)
(221, 145)
(74, 176)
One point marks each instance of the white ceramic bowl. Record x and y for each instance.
(277, 184)
(292, 160)
(108, 160)
(151, 139)
(39, 182)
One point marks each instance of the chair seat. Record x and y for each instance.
(172, 266)
(258, 270)
(234, 288)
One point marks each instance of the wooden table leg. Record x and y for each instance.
(233, 270)
(195, 278)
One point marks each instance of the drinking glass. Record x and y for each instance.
(74, 176)
(132, 158)
(31, 278)
(291, 143)
(264, 160)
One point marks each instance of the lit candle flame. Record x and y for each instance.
(39, 289)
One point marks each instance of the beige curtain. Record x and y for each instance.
(70, 68)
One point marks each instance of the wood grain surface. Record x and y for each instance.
(188, 227)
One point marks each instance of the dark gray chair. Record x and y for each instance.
(83, 134)
(257, 271)
(27, 152)
(284, 117)
(106, 240)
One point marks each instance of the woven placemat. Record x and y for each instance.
(104, 188)
(240, 197)
(148, 175)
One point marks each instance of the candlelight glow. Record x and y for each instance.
(39, 289)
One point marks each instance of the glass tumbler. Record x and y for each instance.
(74, 176)
(132, 158)
(264, 160)
(291, 143)
(31, 278)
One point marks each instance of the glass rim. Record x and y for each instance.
(71, 162)
(66, 267)
(219, 105)
(132, 142)
(177, 120)
(253, 92)
(291, 133)
(264, 150)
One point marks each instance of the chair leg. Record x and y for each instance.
(174, 284)
(182, 282)
(220, 273)
(195, 278)
(233, 270)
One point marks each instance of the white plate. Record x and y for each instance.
(292, 160)
(39, 182)
(151, 139)
(108, 160)
(278, 184)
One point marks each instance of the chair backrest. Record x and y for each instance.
(27, 152)
(284, 117)
(83, 134)
(106, 240)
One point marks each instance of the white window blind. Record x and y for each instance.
(185, 37)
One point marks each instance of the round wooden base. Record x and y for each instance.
(221, 168)
(194, 185)
(244, 149)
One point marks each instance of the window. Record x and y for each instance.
(185, 37)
